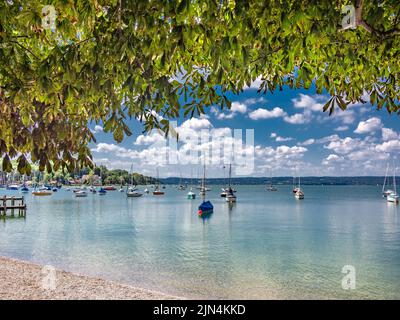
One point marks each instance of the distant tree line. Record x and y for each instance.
(114, 176)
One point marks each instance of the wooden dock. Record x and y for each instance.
(12, 205)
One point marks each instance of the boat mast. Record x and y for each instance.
(204, 175)
(230, 175)
(384, 182)
(394, 179)
(158, 178)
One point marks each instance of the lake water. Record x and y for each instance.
(267, 245)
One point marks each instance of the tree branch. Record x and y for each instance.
(361, 22)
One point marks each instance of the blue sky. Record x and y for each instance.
(291, 135)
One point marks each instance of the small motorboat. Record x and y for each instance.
(102, 192)
(205, 208)
(146, 191)
(55, 189)
(109, 188)
(24, 189)
(81, 194)
(13, 187)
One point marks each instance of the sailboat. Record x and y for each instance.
(393, 196)
(385, 193)
(206, 207)
(146, 190)
(224, 190)
(203, 188)
(42, 191)
(271, 187)
(295, 189)
(102, 191)
(131, 191)
(157, 191)
(24, 187)
(230, 197)
(181, 186)
(299, 194)
(191, 195)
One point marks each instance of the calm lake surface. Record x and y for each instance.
(267, 245)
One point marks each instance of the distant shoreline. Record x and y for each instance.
(23, 280)
(311, 180)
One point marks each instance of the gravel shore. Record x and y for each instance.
(27, 281)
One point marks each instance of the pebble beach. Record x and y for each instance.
(20, 280)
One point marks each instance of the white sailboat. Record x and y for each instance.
(385, 193)
(157, 191)
(230, 196)
(132, 192)
(393, 196)
(191, 195)
(299, 194)
(271, 187)
(203, 187)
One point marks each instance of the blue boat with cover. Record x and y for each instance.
(205, 208)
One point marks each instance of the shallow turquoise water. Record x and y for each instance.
(268, 245)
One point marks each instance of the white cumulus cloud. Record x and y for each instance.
(369, 126)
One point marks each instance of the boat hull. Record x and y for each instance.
(392, 198)
(41, 194)
(134, 194)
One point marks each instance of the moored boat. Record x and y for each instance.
(81, 194)
(157, 191)
(41, 193)
(393, 197)
(230, 196)
(134, 194)
(205, 208)
(191, 195)
(298, 194)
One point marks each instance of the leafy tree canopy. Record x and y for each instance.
(104, 61)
